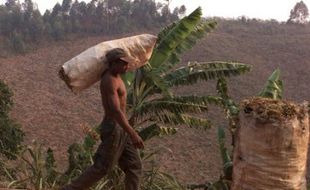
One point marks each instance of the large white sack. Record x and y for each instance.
(85, 69)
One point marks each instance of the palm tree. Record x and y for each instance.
(153, 108)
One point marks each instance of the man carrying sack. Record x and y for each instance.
(119, 140)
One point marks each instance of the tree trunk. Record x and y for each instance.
(271, 146)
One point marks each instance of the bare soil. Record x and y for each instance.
(51, 114)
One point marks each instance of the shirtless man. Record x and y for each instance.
(119, 140)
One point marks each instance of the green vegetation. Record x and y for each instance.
(35, 167)
(299, 14)
(154, 109)
(11, 135)
(22, 25)
(150, 98)
(274, 87)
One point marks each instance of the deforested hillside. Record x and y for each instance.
(52, 115)
(266, 45)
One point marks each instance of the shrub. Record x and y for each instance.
(11, 134)
(17, 43)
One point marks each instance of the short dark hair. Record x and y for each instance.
(115, 55)
(116, 61)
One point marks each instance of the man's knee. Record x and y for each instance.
(100, 168)
(134, 168)
(102, 164)
(99, 171)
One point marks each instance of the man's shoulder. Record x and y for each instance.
(106, 76)
(109, 80)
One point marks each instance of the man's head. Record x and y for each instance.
(118, 60)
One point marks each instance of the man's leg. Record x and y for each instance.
(93, 173)
(130, 163)
(104, 160)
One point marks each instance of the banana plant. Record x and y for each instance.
(153, 108)
(227, 162)
(273, 87)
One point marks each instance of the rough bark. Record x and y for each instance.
(271, 146)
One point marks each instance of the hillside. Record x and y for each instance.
(51, 114)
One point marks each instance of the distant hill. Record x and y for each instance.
(51, 114)
(266, 46)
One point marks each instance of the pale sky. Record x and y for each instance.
(263, 9)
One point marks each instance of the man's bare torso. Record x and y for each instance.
(112, 86)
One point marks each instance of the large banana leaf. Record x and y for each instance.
(156, 130)
(189, 42)
(273, 87)
(202, 100)
(178, 104)
(193, 72)
(174, 37)
(172, 41)
(173, 119)
(172, 106)
(164, 32)
(155, 80)
(169, 40)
